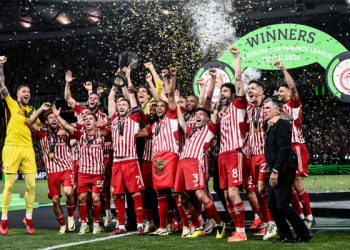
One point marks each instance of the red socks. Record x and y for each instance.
(182, 213)
(82, 212)
(212, 212)
(162, 210)
(138, 207)
(60, 220)
(119, 204)
(231, 211)
(239, 211)
(193, 216)
(295, 202)
(304, 198)
(264, 212)
(70, 210)
(96, 210)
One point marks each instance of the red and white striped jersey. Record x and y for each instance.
(62, 158)
(256, 133)
(124, 130)
(198, 141)
(75, 152)
(79, 108)
(190, 122)
(165, 133)
(91, 153)
(190, 119)
(147, 152)
(233, 125)
(293, 108)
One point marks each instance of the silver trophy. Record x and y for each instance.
(125, 59)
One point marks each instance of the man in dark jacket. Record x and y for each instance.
(279, 157)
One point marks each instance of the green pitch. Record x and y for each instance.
(18, 239)
(314, 182)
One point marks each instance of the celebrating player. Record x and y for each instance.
(258, 167)
(165, 138)
(231, 159)
(18, 152)
(91, 167)
(191, 172)
(126, 172)
(58, 165)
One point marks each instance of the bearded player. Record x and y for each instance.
(18, 152)
(58, 165)
(165, 141)
(126, 173)
(231, 158)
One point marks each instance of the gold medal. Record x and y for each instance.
(52, 155)
(121, 138)
(256, 130)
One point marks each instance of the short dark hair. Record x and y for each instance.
(47, 113)
(204, 110)
(275, 102)
(285, 85)
(147, 89)
(260, 84)
(196, 97)
(21, 86)
(230, 86)
(95, 117)
(125, 100)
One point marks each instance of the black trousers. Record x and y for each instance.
(281, 209)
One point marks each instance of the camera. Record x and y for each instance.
(2, 58)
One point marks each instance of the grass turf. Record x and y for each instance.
(18, 239)
(314, 182)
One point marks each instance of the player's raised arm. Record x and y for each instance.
(31, 120)
(214, 116)
(131, 89)
(289, 79)
(165, 89)
(67, 93)
(3, 89)
(61, 121)
(111, 101)
(238, 72)
(180, 116)
(214, 78)
(172, 86)
(88, 87)
(153, 89)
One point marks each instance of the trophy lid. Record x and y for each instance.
(127, 59)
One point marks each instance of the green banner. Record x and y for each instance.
(296, 46)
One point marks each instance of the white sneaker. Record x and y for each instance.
(209, 225)
(84, 228)
(96, 229)
(71, 223)
(169, 228)
(160, 232)
(185, 231)
(62, 229)
(149, 226)
(309, 223)
(270, 232)
(107, 221)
